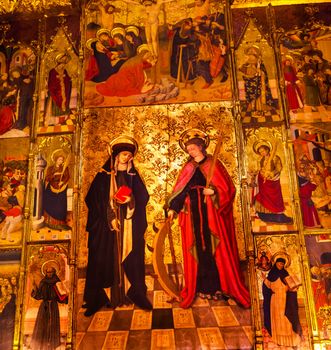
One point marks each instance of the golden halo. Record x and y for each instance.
(253, 50)
(132, 29)
(103, 31)
(89, 43)
(192, 134)
(123, 139)
(288, 58)
(118, 30)
(50, 263)
(143, 47)
(63, 57)
(281, 254)
(57, 153)
(257, 144)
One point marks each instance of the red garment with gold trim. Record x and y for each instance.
(221, 225)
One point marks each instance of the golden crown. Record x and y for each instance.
(190, 134)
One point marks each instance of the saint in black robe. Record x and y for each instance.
(103, 261)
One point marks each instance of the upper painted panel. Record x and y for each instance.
(155, 51)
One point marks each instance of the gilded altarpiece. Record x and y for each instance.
(171, 55)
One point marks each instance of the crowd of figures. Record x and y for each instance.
(307, 74)
(199, 49)
(16, 90)
(119, 55)
(12, 196)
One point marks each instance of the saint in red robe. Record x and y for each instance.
(210, 253)
(59, 89)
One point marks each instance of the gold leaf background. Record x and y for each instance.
(157, 130)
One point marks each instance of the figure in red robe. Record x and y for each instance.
(130, 79)
(210, 254)
(293, 93)
(267, 195)
(306, 188)
(59, 91)
(7, 104)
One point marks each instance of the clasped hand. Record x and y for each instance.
(206, 191)
(124, 201)
(115, 223)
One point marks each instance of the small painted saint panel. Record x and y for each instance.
(9, 276)
(13, 178)
(306, 62)
(58, 102)
(155, 51)
(269, 184)
(312, 150)
(319, 252)
(17, 83)
(257, 78)
(53, 189)
(280, 289)
(46, 297)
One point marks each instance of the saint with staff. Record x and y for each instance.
(116, 224)
(203, 200)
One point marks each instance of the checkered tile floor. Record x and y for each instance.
(206, 325)
(67, 126)
(306, 115)
(269, 117)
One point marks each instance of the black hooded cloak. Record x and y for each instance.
(102, 267)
